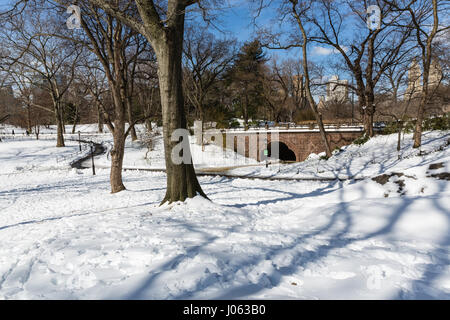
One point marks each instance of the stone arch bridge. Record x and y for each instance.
(294, 144)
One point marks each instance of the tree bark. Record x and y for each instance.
(29, 129)
(245, 111)
(63, 123)
(118, 92)
(117, 154)
(118, 150)
(370, 110)
(59, 125)
(182, 182)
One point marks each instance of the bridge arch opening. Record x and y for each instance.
(285, 153)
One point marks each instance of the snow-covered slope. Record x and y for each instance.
(376, 156)
(64, 235)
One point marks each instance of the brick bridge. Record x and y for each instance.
(295, 144)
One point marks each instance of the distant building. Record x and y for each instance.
(337, 90)
(295, 86)
(436, 74)
(41, 81)
(415, 78)
(321, 105)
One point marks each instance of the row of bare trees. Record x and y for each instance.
(366, 54)
(133, 61)
(122, 36)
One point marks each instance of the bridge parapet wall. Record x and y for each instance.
(252, 143)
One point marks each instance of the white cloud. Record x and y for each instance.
(321, 51)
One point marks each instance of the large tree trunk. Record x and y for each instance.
(59, 126)
(29, 129)
(368, 122)
(245, 109)
(117, 154)
(63, 122)
(182, 182)
(118, 150)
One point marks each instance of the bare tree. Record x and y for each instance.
(396, 105)
(146, 86)
(111, 41)
(45, 62)
(94, 79)
(17, 77)
(162, 24)
(425, 26)
(293, 71)
(147, 93)
(296, 12)
(206, 59)
(366, 53)
(275, 91)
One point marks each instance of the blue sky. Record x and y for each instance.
(237, 21)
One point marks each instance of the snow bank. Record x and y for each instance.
(376, 156)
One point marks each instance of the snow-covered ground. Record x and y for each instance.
(64, 235)
(212, 156)
(377, 156)
(31, 155)
(136, 152)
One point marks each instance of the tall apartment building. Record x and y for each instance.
(295, 86)
(415, 78)
(337, 90)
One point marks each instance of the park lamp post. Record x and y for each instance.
(79, 140)
(92, 158)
